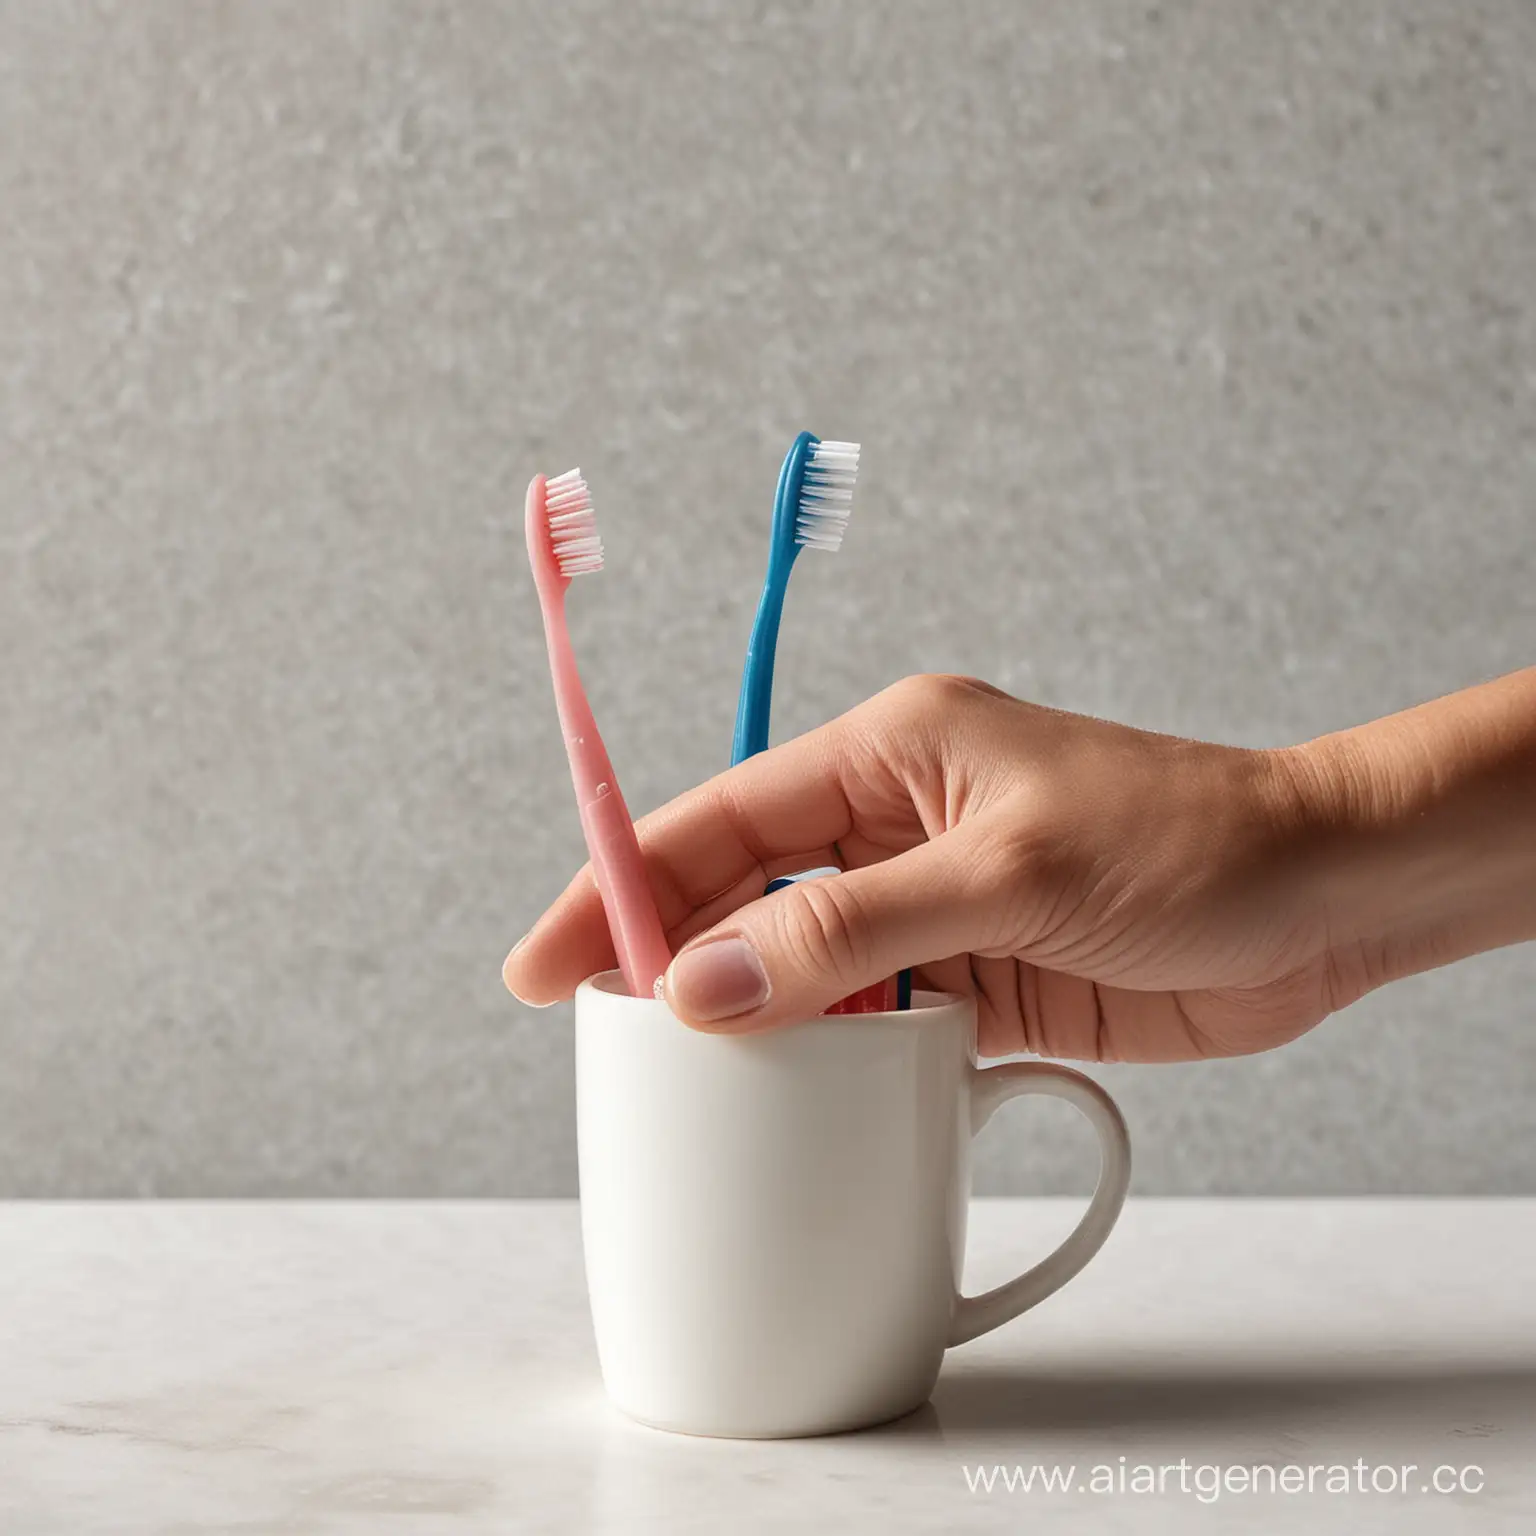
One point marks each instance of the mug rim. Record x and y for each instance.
(610, 983)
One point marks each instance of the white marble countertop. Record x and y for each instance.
(404, 1368)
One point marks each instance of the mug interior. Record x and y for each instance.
(612, 982)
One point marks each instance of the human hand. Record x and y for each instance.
(1105, 893)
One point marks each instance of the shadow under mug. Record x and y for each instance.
(774, 1224)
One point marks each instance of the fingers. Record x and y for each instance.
(543, 965)
(791, 955)
(706, 853)
(870, 782)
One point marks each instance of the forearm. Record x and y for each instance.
(1426, 829)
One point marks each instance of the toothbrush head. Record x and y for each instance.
(562, 530)
(814, 498)
(826, 494)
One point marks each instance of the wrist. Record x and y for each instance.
(1353, 794)
(1420, 828)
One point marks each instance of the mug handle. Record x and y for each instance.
(990, 1087)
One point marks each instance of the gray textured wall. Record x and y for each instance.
(1192, 348)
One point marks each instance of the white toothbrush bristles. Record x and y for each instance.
(826, 495)
(573, 536)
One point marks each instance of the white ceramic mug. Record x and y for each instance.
(774, 1224)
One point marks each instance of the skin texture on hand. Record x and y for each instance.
(1105, 893)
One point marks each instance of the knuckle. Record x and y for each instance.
(924, 695)
(919, 692)
(917, 715)
(960, 686)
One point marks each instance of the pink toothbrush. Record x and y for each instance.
(562, 543)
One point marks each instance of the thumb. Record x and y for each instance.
(793, 954)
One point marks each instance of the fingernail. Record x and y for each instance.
(719, 979)
(527, 1002)
(506, 980)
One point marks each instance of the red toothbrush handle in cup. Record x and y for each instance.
(878, 998)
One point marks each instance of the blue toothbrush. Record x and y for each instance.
(810, 510)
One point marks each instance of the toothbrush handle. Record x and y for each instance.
(617, 865)
(752, 709)
(619, 869)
